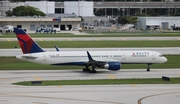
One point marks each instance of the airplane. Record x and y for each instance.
(110, 60)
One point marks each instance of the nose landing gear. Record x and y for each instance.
(149, 66)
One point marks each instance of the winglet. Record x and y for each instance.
(27, 44)
(89, 56)
(57, 49)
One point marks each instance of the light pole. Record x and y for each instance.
(105, 16)
(78, 9)
(112, 13)
(168, 6)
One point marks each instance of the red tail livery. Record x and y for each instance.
(26, 43)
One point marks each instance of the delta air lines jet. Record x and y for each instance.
(110, 60)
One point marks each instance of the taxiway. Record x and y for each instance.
(163, 50)
(88, 94)
(95, 38)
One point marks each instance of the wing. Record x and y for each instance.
(109, 64)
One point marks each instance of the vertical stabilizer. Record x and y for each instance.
(27, 44)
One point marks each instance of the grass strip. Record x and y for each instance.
(97, 44)
(11, 63)
(103, 82)
(109, 34)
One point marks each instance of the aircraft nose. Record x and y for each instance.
(165, 59)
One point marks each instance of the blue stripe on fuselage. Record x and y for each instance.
(71, 63)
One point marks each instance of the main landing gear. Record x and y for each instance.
(92, 63)
(149, 66)
(87, 69)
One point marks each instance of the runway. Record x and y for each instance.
(88, 94)
(95, 38)
(163, 50)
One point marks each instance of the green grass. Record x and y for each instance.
(97, 44)
(150, 34)
(11, 63)
(104, 82)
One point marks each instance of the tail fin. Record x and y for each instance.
(26, 43)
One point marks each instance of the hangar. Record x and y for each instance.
(162, 23)
(32, 23)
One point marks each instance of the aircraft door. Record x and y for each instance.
(153, 57)
(124, 57)
(44, 58)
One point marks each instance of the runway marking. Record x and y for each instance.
(61, 98)
(3, 100)
(69, 39)
(60, 86)
(9, 80)
(41, 40)
(37, 78)
(139, 101)
(8, 40)
(111, 77)
(14, 81)
(134, 85)
(40, 103)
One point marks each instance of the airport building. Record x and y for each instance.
(32, 23)
(87, 8)
(68, 19)
(162, 23)
(52, 20)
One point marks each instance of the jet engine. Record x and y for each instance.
(113, 66)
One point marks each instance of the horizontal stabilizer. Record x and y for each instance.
(29, 57)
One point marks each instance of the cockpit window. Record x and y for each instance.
(160, 55)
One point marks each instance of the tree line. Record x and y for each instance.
(25, 11)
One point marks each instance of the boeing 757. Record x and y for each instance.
(110, 60)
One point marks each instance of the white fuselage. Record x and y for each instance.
(124, 57)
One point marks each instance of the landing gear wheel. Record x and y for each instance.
(149, 66)
(86, 70)
(92, 71)
(148, 69)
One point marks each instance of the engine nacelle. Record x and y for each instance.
(113, 66)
